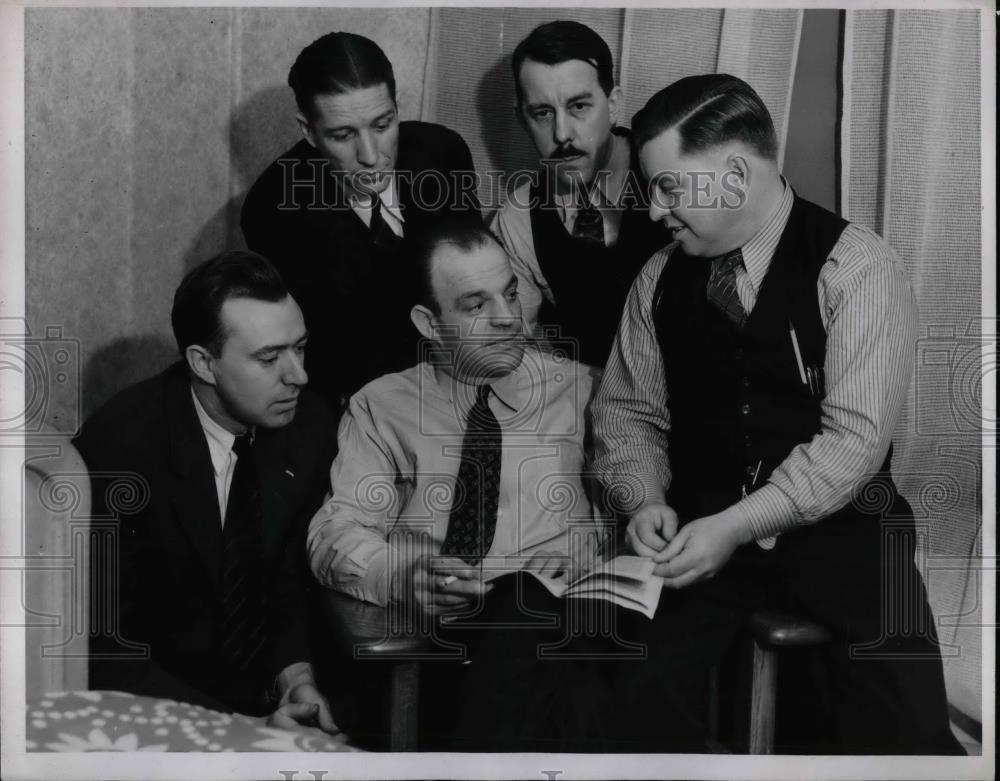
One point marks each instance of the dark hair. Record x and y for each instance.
(336, 63)
(555, 42)
(707, 111)
(460, 232)
(201, 294)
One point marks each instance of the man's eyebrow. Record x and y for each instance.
(512, 283)
(388, 114)
(271, 348)
(473, 294)
(538, 105)
(582, 96)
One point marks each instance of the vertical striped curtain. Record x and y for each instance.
(470, 88)
(910, 151)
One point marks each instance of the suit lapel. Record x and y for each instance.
(193, 493)
(278, 483)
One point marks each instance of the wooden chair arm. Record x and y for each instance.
(363, 629)
(771, 629)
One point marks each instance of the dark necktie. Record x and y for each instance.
(721, 290)
(383, 236)
(473, 518)
(243, 634)
(589, 225)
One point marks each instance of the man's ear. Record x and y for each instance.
(306, 129)
(740, 165)
(423, 318)
(615, 103)
(199, 361)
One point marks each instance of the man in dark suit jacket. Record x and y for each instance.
(209, 473)
(330, 213)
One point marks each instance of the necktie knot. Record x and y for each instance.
(243, 444)
(383, 237)
(722, 291)
(589, 225)
(729, 262)
(480, 413)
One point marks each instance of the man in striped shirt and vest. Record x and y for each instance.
(743, 427)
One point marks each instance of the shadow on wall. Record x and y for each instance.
(122, 363)
(261, 128)
(507, 144)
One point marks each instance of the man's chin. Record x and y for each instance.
(503, 359)
(279, 417)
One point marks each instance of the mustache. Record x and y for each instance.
(565, 151)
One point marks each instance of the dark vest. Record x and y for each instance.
(737, 402)
(589, 283)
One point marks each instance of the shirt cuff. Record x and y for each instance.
(290, 677)
(375, 581)
(625, 494)
(768, 512)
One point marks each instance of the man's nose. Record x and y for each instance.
(506, 315)
(562, 130)
(367, 151)
(295, 369)
(658, 208)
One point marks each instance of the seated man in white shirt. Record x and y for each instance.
(445, 469)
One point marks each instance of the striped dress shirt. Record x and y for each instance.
(870, 315)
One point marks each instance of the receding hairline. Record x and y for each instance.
(592, 63)
(313, 112)
(225, 329)
(486, 241)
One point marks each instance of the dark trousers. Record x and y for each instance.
(880, 688)
(538, 677)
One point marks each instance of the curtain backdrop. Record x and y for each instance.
(911, 171)
(471, 49)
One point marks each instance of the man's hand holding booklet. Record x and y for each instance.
(627, 581)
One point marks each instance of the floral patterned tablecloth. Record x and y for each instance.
(117, 721)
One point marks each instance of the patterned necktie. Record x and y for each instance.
(383, 237)
(243, 620)
(721, 290)
(473, 518)
(589, 225)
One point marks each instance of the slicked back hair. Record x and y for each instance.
(556, 42)
(196, 314)
(463, 234)
(707, 111)
(337, 63)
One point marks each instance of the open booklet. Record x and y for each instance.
(628, 581)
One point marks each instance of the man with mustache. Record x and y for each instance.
(226, 454)
(578, 234)
(744, 425)
(446, 469)
(331, 211)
